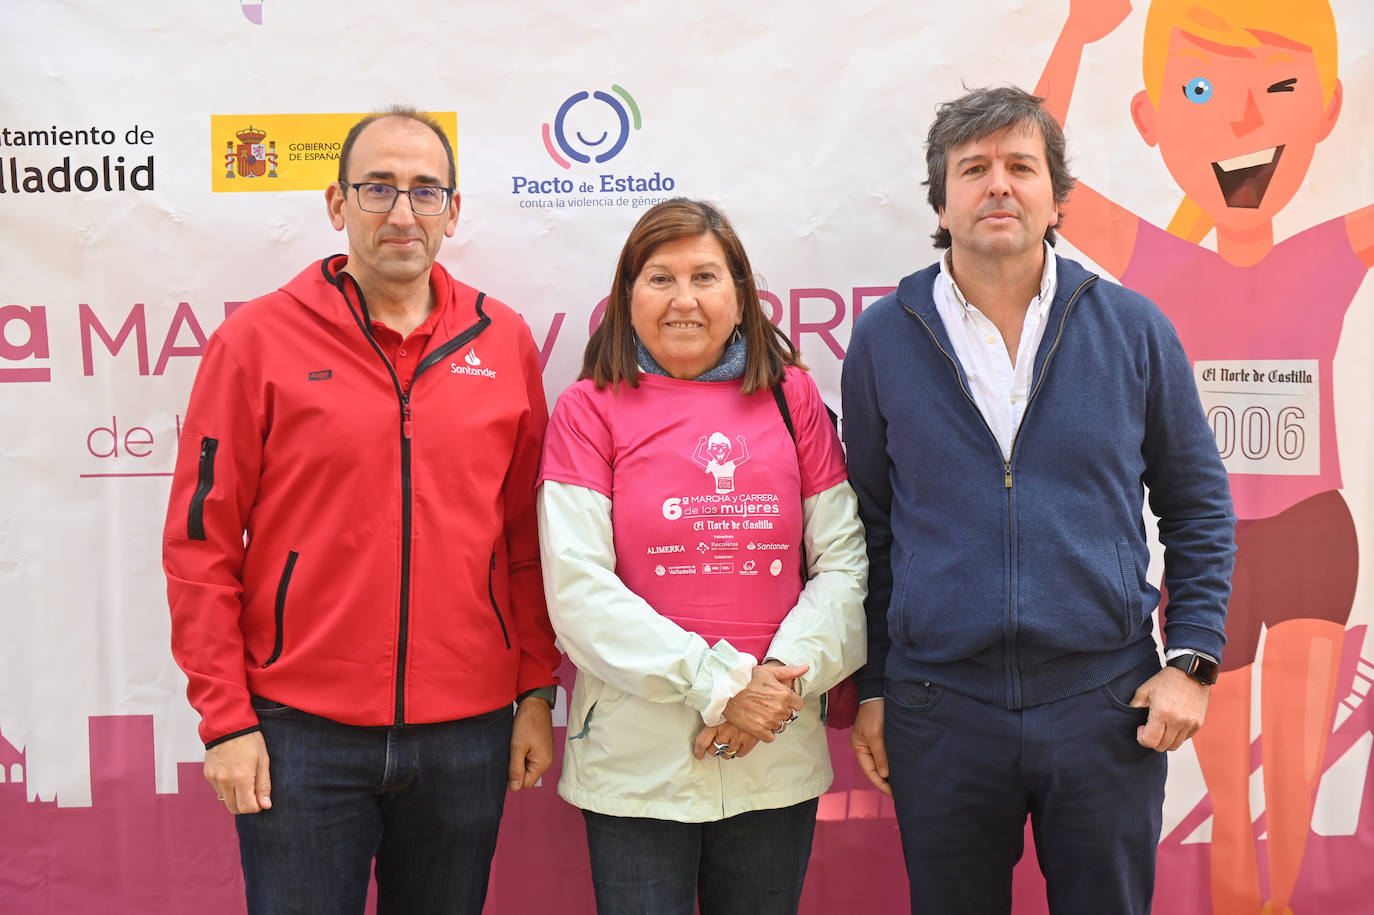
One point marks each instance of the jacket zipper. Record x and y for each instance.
(1011, 452)
(406, 430)
(1045, 369)
(1059, 335)
(195, 515)
(491, 593)
(280, 609)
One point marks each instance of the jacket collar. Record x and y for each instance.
(915, 293)
(323, 288)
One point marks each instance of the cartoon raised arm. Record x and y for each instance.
(701, 457)
(743, 451)
(1089, 21)
(1096, 226)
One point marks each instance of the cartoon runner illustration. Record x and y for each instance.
(1238, 93)
(713, 456)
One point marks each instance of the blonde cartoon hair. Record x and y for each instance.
(1238, 24)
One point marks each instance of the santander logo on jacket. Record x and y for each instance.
(474, 366)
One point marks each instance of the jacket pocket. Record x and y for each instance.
(1130, 589)
(279, 610)
(584, 705)
(205, 481)
(491, 593)
(897, 602)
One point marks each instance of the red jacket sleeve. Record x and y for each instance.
(213, 487)
(538, 656)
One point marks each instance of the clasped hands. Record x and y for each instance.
(760, 711)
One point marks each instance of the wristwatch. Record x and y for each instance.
(1200, 667)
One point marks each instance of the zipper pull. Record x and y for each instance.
(1008, 479)
(405, 422)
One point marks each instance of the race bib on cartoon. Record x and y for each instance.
(1265, 414)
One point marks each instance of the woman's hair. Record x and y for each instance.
(610, 356)
(1237, 24)
(1240, 24)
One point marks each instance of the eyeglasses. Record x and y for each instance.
(425, 200)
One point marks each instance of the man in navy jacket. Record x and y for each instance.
(1005, 413)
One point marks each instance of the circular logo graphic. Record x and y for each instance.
(660, 571)
(591, 126)
(775, 567)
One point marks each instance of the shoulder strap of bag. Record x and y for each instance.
(781, 401)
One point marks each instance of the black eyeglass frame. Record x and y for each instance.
(396, 193)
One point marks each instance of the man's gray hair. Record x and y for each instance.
(975, 116)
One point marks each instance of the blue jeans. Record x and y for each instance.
(423, 800)
(965, 775)
(750, 863)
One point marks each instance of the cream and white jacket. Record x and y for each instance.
(646, 687)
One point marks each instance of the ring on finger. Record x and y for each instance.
(790, 720)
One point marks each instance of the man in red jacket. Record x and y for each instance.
(352, 560)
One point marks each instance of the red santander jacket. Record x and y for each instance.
(346, 547)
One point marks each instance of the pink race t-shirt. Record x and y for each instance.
(706, 488)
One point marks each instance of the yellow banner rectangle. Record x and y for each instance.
(286, 152)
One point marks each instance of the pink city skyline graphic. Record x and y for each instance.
(134, 850)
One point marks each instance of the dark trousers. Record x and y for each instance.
(750, 863)
(965, 775)
(423, 800)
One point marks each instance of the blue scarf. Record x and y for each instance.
(730, 367)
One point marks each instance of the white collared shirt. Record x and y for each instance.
(999, 387)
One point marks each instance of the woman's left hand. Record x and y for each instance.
(768, 703)
(726, 735)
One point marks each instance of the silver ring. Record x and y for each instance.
(790, 720)
(782, 727)
(724, 751)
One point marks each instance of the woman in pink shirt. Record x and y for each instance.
(682, 474)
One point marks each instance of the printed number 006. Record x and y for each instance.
(1258, 432)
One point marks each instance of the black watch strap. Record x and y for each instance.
(1201, 668)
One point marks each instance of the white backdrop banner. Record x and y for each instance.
(162, 163)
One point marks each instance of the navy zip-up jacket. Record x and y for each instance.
(1023, 581)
